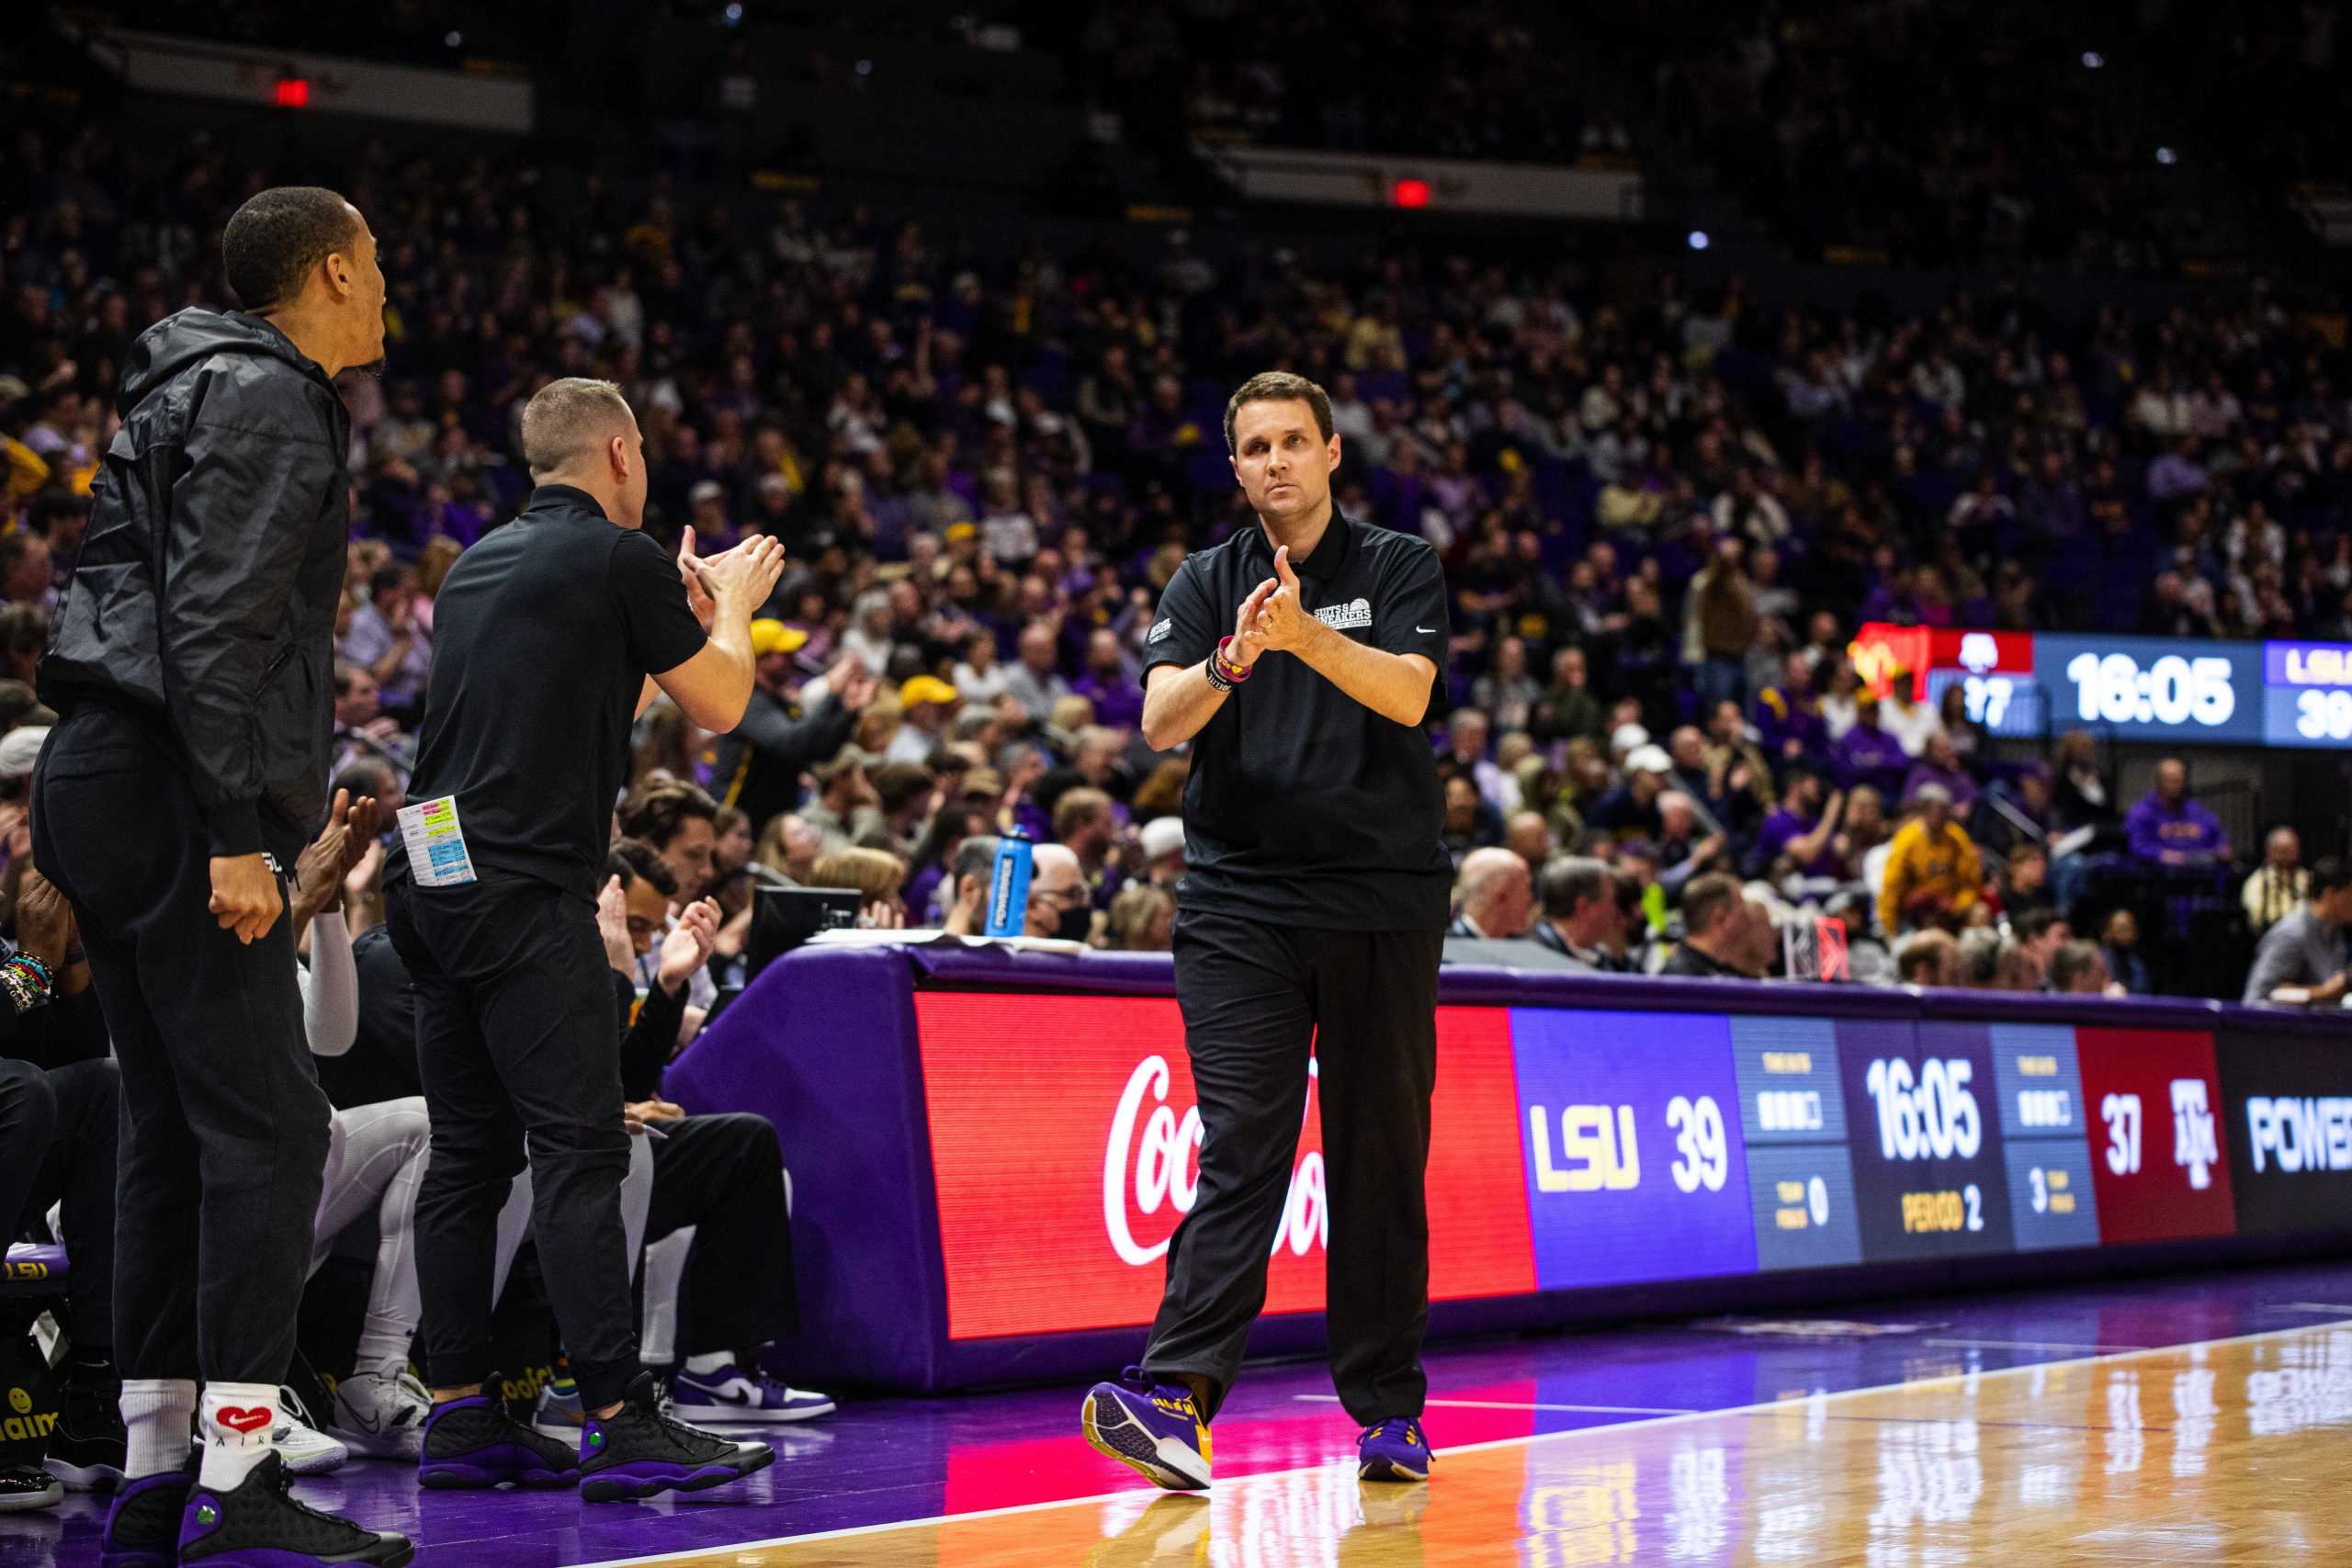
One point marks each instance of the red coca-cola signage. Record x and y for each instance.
(1066, 1150)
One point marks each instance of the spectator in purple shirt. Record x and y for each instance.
(2169, 827)
(1939, 763)
(1107, 683)
(1788, 716)
(1867, 754)
(1801, 837)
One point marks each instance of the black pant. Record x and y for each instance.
(516, 1036)
(223, 1128)
(724, 1176)
(57, 1145)
(1255, 997)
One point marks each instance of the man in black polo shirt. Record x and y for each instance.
(550, 635)
(1312, 915)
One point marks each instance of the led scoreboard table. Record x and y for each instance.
(990, 1150)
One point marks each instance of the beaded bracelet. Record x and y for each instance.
(41, 971)
(25, 982)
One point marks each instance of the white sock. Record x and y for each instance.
(714, 1361)
(156, 1415)
(235, 1420)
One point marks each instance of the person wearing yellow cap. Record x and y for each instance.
(757, 767)
(929, 704)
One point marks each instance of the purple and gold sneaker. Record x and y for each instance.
(1396, 1449)
(1154, 1429)
(640, 1449)
(469, 1444)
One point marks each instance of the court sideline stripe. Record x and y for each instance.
(1759, 1407)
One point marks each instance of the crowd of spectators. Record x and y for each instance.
(1663, 514)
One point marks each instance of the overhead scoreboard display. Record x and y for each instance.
(1576, 1149)
(2167, 691)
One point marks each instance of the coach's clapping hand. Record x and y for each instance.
(1249, 636)
(739, 581)
(1282, 620)
(245, 899)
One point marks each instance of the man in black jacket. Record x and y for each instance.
(758, 766)
(192, 665)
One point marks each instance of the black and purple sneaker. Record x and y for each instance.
(144, 1526)
(640, 1450)
(258, 1522)
(470, 1444)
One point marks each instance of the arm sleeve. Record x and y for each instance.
(1186, 629)
(239, 519)
(656, 621)
(1410, 614)
(330, 988)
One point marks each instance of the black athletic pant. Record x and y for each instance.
(724, 1176)
(515, 1038)
(224, 1135)
(57, 1146)
(1255, 997)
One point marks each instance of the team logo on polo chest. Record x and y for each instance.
(1356, 613)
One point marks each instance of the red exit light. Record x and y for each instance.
(293, 92)
(1412, 193)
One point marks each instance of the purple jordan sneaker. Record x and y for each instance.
(731, 1393)
(470, 1444)
(1397, 1449)
(144, 1526)
(640, 1449)
(258, 1522)
(1154, 1429)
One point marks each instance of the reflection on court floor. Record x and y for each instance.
(2200, 1453)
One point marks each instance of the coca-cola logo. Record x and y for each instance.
(1153, 1161)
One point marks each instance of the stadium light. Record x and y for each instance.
(2166, 157)
(1698, 238)
(2093, 60)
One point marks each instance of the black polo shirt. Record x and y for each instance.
(543, 635)
(1304, 807)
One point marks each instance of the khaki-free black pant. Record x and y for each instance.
(1256, 998)
(516, 1039)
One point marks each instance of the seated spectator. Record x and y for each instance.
(2015, 968)
(846, 810)
(1911, 722)
(1567, 707)
(1800, 838)
(2301, 959)
(1162, 842)
(2170, 828)
(904, 792)
(2120, 939)
(929, 706)
(362, 729)
(788, 849)
(2078, 968)
(1739, 775)
(2023, 884)
(2079, 792)
(1058, 906)
(1492, 895)
(1632, 806)
(388, 640)
(1470, 822)
(1718, 943)
(680, 823)
(756, 768)
(1142, 919)
(1789, 723)
(2279, 884)
(1083, 821)
(1109, 682)
(1685, 849)
(1583, 919)
(1928, 957)
(2042, 933)
(879, 877)
(1035, 683)
(1933, 873)
(1527, 835)
(1867, 754)
(979, 678)
(964, 892)
(1939, 763)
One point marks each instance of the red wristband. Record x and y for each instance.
(1237, 673)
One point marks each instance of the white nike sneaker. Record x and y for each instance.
(380, 1412)
(303, 1448)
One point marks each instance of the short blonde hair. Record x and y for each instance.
(875, 874)
(567, 419)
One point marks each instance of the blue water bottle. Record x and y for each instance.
(1009, 884)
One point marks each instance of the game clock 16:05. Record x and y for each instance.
(2153, 687)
